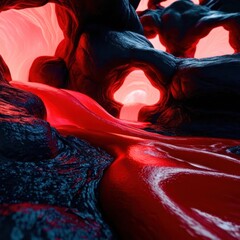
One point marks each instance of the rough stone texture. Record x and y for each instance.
(47, 181)
(235, 150)
(35, 221)
(58, 194)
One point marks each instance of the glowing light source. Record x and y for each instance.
(27, 34)
(135, 96)
(157, 44)
(216, 43)
(169, 2)
(143, 4)
(136, 92)
(195, 1)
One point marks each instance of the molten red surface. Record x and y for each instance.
(158, 186)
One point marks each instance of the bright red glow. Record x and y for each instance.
(158, 186)
(216, 43)
(135, 93)
(157, 44)
(169, 2)
(195, 1)
(27, 34)
(179, 188)
(143, 4)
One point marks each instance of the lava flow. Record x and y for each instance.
(170, 185)
(71, 170)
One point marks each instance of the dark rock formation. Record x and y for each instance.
(181, 25)
(47, 181)
(51, 70)
(235, 150)
(231, 6)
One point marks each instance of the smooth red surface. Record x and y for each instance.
(158, 187)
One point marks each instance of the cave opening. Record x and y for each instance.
(27, 34)
(135, 93)
(33, 32)
(216, 43)
(165, 3)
